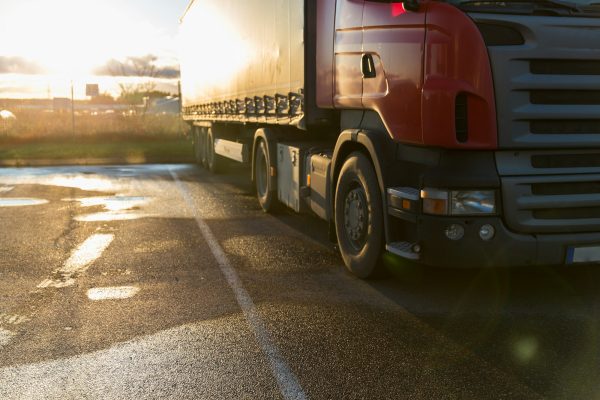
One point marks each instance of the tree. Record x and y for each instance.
(133, 92)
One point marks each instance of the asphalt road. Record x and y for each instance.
(167, 282)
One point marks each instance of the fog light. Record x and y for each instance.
(487, 232)
(416, 248)
(455, 232)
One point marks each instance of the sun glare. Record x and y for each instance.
(73, 37)
(232, 51)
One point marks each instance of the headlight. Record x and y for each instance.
(473, 202)
(458, 202)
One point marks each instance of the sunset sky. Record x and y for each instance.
(46, 44)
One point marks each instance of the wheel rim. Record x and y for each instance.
(356, 217)
(261, 173)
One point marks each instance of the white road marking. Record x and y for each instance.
(5, 337)
(80, 260)
(288, 383)
(112, 293)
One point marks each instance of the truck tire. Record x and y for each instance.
(213, 160)
(196, 145)
(359, 217)
(265, 190)
(199, 146)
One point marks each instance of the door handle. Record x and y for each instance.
(368, 66)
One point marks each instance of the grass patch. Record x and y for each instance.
(48, 138)
(135, 151)
(36, 125)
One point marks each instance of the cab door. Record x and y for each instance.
(348, 52)
(392, 64)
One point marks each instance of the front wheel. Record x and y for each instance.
(359, 216)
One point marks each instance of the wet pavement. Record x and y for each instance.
(163, 281)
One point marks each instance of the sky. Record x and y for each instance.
(46, 44)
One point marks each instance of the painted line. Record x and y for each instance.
(112, 293)
(5, 337)
(288, 383)
(80, 260)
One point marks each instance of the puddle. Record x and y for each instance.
(112, 216)
(119, 208)
(113, 203)
(81, 182)
(127, 172)
(6, 189)
(21, 202)
(112, 293)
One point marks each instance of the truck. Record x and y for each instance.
(452, 133)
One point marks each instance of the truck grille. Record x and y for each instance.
(552, 204)
(548, 106)
(548, 88)
(553, 191)
(580, 97)
(564, 67)
(569, 126)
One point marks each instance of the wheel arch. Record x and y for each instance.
(372, 144)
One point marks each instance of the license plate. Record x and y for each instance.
(589, 254)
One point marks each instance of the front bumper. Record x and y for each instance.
(506, 249)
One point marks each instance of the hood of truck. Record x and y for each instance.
(547, 85)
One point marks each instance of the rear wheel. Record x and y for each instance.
(265, 190)
(198, 145)
(203, 141)
(359, 216)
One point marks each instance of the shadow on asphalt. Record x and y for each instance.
(541, 325)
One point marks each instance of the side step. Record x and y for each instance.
(403, 249)
(232, 150)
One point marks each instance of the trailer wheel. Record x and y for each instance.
(265, 192)
(358, 216)
(213, 161)
(196, 145)
(199, 146)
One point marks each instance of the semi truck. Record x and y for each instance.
(450, 133)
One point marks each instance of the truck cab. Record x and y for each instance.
(457, 133)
